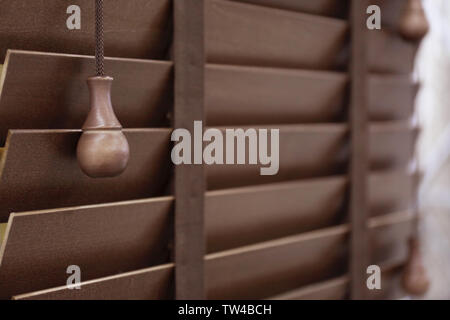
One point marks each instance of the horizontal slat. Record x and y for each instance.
(304, 151)
(391, 97)
(147, 21)
(237, 95)
(257, 271)
(335, 289)
(53, 178)
(102, 240)
(40, 171)
(319, 7)
(391, 191)
(241, 216)
(391, 144)
(148, 284)
(245, 34)
(135, 234)
(264, 270)
(49, 91)
(389, 53)
(318, 150)
(253, 95)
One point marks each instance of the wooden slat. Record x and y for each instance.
(389, 53)
(54, 180)
(244, 34)
(148, 284)
(305, 151)
(40, 171)
(391, 97)
(133, 28)
(335, 289)
(102, 240)
(391, 191)
(258, 271)
(190, 184)
(135, 234)
(360, 154)
(241, 216)
(391, 144)
(252, 95)
(49, 91)
(319, 7)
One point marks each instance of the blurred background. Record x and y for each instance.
(433, 148)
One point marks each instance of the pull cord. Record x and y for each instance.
(99, 39)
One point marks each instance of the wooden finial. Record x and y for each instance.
(414, 25)
(102, 150)
(415, 279)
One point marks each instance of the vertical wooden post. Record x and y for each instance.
(359, 151)
(189, 60)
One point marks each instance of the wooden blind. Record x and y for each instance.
(159, 232)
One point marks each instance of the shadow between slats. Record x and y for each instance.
(49, 91)
(257, 271)
(133, 28)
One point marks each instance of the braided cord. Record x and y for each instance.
(99, 39)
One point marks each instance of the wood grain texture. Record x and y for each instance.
(319, 7)
(360, 153)
(259, 271)
(49, 91)
(133, 28)
(190, 183)
(102, 240)
(39, 171)
(245, 34)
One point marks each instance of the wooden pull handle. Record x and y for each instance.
(414, 25)
(102, 150)
(415, 279)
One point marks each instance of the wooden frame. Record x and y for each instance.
(189, 60)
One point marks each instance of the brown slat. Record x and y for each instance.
(257, 271)
(391, 191)
(102, 240)
(305, 151)
(389, 53)
(149, 284)
(319, 7)
(49, 91)
(391, 97)
(267, 269)
(391, 144)
(335, 289)
(252, 95)
(238, 33)
(40, 171)
(147, 21)
(242, 216)
(190, 184)
(392, 12)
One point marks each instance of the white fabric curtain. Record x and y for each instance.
(433, 150)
